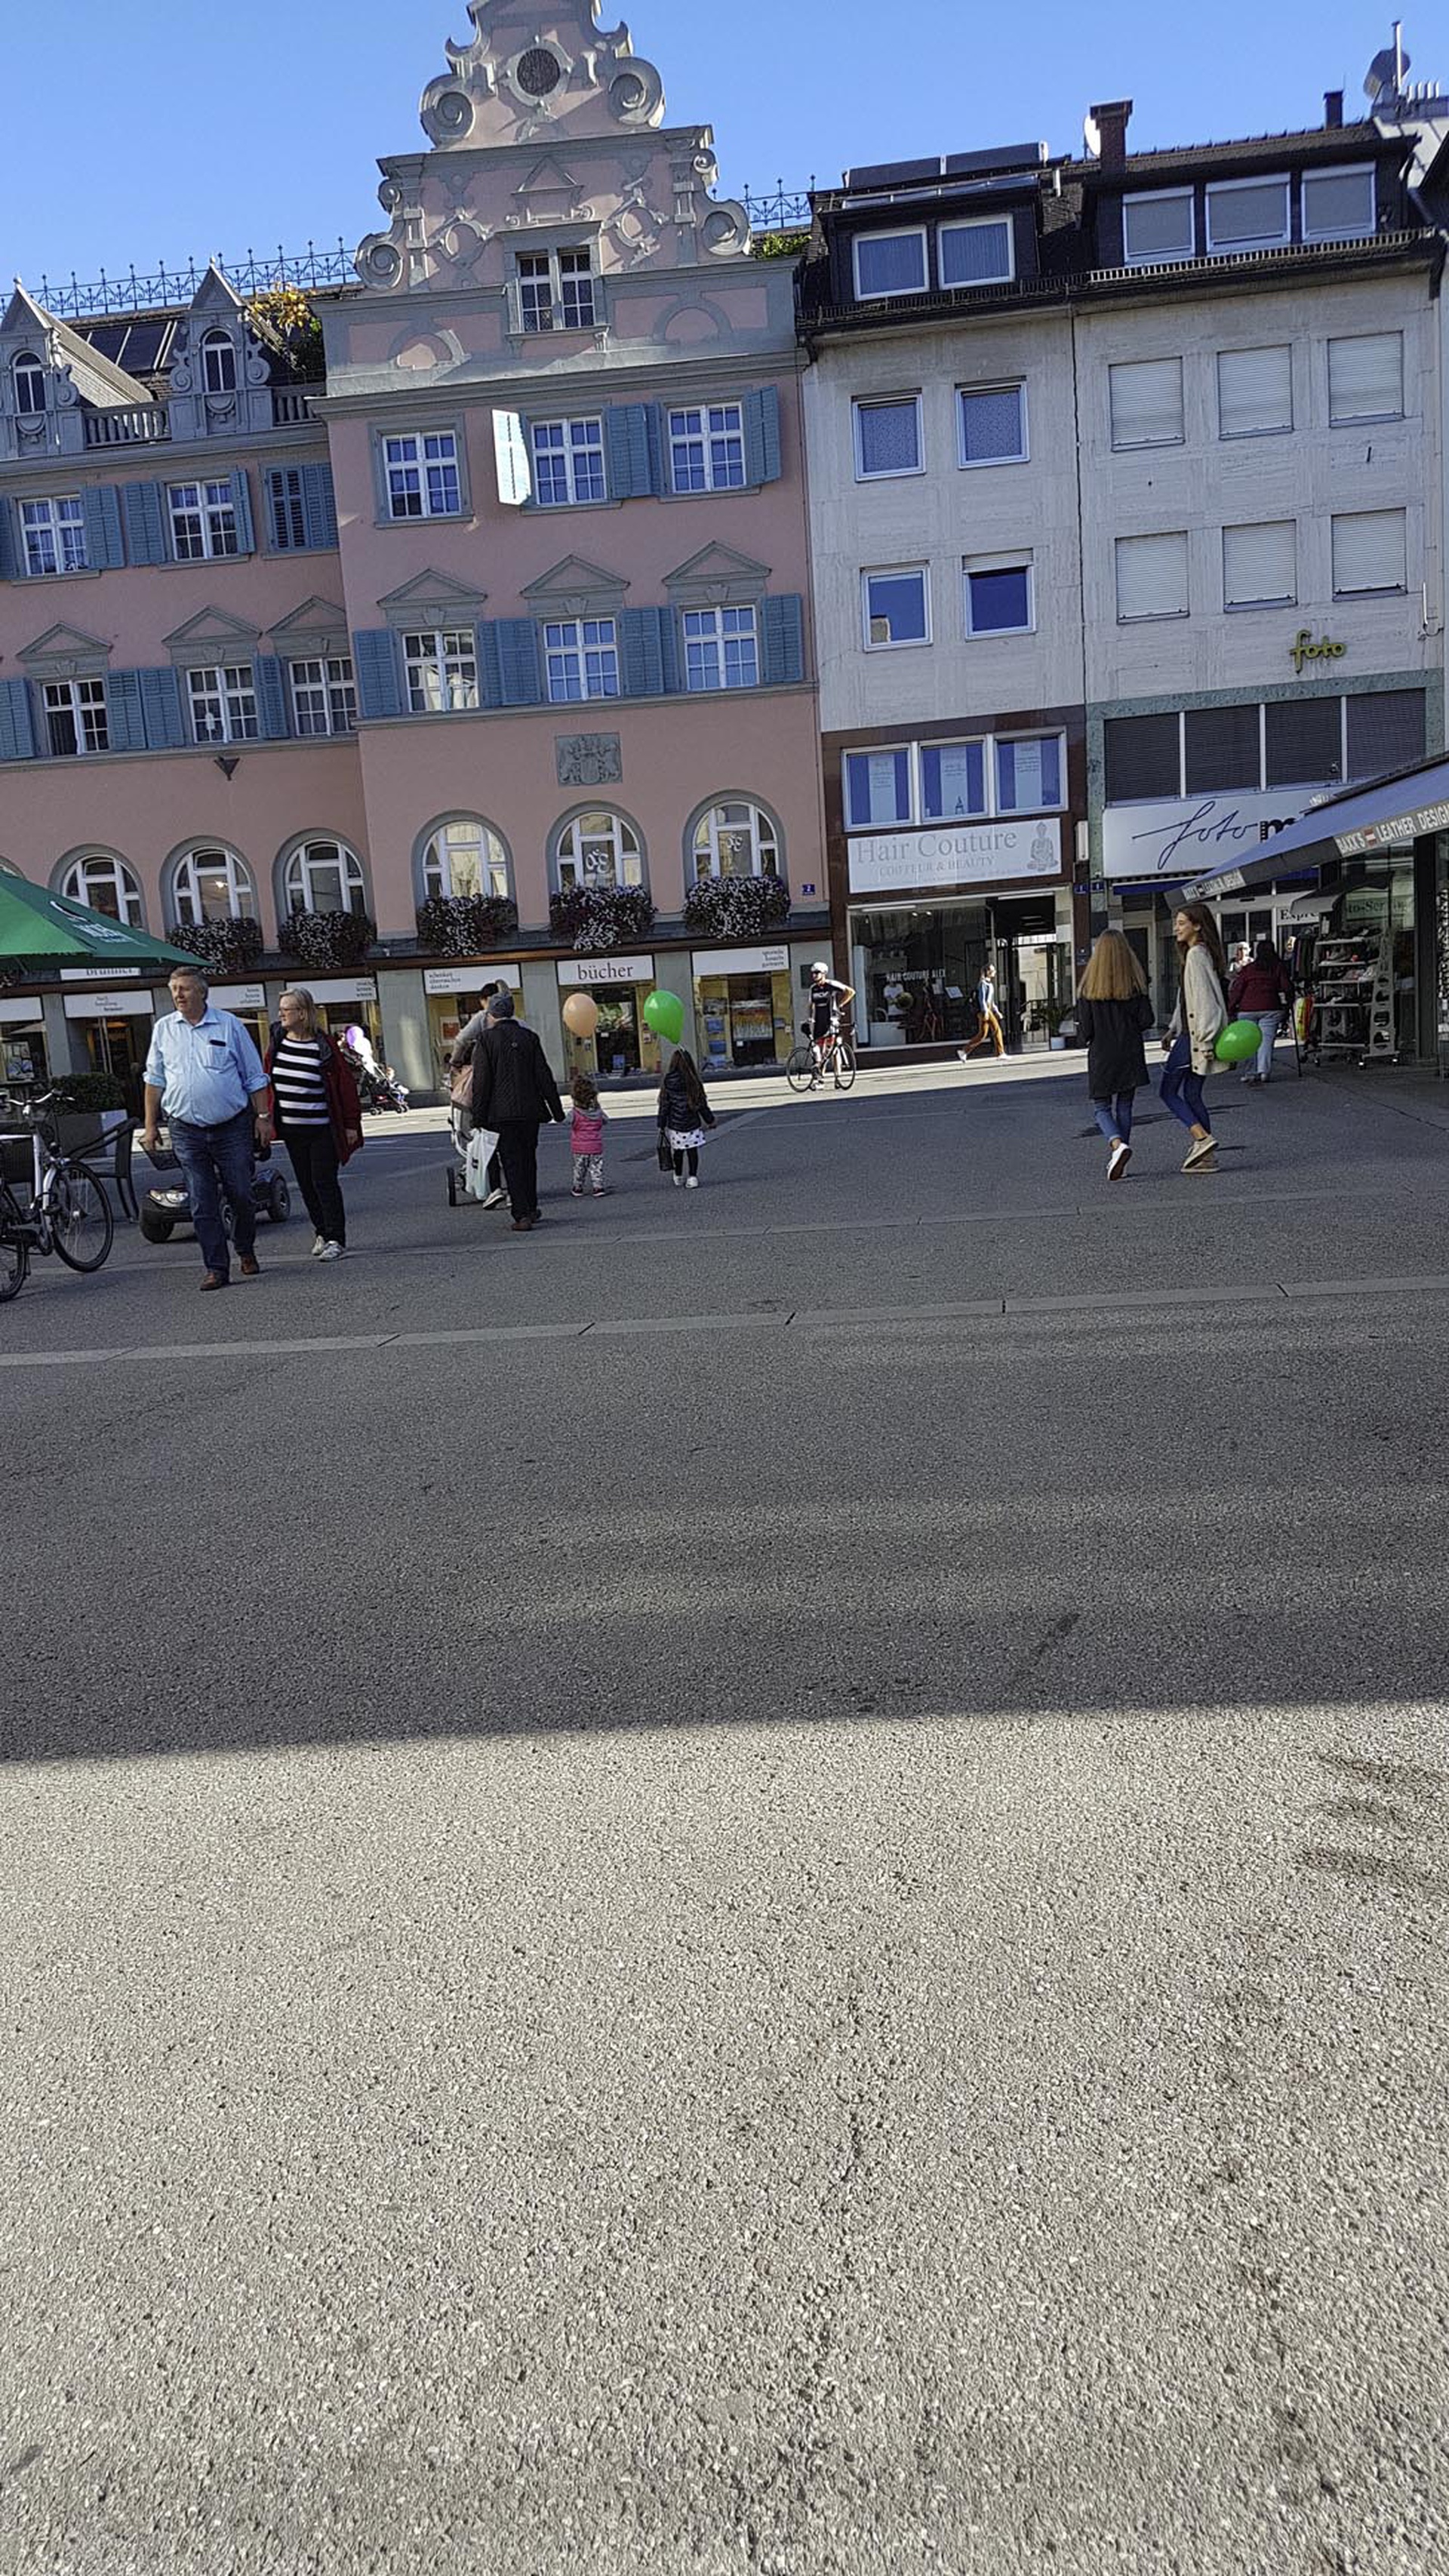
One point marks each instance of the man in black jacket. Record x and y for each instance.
(513, 1094)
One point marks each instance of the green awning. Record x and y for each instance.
(37, 927)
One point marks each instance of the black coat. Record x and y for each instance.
(512, 1084)
(1114, 1031)
(680, 1110)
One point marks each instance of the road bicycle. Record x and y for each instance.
(68, 1212)
(810, 1063)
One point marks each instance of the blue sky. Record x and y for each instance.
(166, 128)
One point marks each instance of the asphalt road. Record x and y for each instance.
(757, 1883)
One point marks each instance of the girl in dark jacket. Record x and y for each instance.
(1114, 1015)
(684, 1114)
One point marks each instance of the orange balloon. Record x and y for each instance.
(581, 1014)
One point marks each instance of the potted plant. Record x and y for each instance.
(736, 907)
(601, 917)
(466, 925)
(317, 939)
(229, 947)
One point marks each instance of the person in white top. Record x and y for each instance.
(1193, 1030)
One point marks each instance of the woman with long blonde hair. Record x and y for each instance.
(1194, 1029)
(1113, 1016)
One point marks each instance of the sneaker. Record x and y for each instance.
(331, 1252)
(1201, 1155)
(496, 1198)
(319, 1246)
(692, 1182)
(578, 1194)
(678, 1180)
(1118, 1160)
(602, 1191)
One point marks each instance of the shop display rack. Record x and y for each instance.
(1353, 998)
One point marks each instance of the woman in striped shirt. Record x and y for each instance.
(317, 1114)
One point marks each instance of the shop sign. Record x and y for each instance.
(240, 997)
(579, 971)
(108, 1006)
(21, 1014)
(471, 979)
(957, 854)
(344, 988)
(1400, 827)
(95, 974)
(1185, 835)
(1303, 649)
(741, 961)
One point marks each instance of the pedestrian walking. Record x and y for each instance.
(1262, 990)
(586, 1134)
(514, 1094)
(989, 1031)
(684, 1114)
(1193, 1030)
(317, 1114)
(204, 1073)
(461, 1054)
(1114, 1014)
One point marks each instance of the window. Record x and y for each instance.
(977, 253)
(998, 596)
(75, 718)
(1220, 749)
(324, 876)
(212, 885)
(568, 462)
(1144, 757)
(890, 264)
(991, 422)
(599, 850)
(1151, 577)
(1369, 552)
(1339, 205)
(1029, 774)
(1303, 741)
(888, 438)
(735, 840)
(1158, 227)
(1255, 391)
(896, 608)
(1145, 399)
(877, 789)
(1247, 214)
(55, 536)
(203, 521)
(953, 780)
(721, 649)
(218, 363)
(1366, 377)
(223, 704)
(1260, 565)
(324, 695)
(582, 654)
(108, 886)
(1385, 731)
(707, 448)
(466, 857)
(423, 481)
(556, 290)
(28, 376)
(442, 672)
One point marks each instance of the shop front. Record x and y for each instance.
(742, 1005)
(24, 1055)
(454, 995)
(623, 1042)
(348, 1002)
(247, 1003)
(115, 1025)
(949, 905)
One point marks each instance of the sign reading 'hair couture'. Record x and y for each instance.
(957, 854)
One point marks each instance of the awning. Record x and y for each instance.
(1352, 825)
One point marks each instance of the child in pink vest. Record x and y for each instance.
(586, 1135)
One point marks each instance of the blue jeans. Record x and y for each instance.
(1269, 1022)
(1114, 1117)
(212, 1155)
(1182, 1088)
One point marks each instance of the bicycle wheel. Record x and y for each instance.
(800, 1070)
(844, 1067)
(81, 1224)
(14, 1249)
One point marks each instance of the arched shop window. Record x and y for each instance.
(465, 857)
(323, 876)
(107, 885)
(29, 378)
(218, 363)
(212, 885)
(734, 839)
(598, 850)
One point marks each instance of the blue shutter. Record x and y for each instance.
(124, 711)
(161, 710)
(143, 507)
(379, 682)
(633, 446)
(762, 435)
(319, 505)
(17, 724)
(270, 683)
(105, 549)
(241, 493)
(10, 555)
(286, 509)
(519, 682)
(782, 639)
(490, 669)
(650, 662)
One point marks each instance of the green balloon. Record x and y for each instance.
(1239, 1040)
(664, 1013)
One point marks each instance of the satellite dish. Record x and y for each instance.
(1386, 72)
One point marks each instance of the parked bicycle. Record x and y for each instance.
(810, 1064)
(67, 1213)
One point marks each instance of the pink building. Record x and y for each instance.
(497, 638)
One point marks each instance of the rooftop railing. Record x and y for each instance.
(143, 290)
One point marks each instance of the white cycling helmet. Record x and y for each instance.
(818, 969)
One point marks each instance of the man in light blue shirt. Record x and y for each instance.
(205, 1072)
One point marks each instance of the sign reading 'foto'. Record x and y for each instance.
(957, 854)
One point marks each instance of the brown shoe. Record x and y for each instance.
(523, 1224)
(249, 1266)
(215, 1279)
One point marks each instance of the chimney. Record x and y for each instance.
(1333, 107)
(1106, 132)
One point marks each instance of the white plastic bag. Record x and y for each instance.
(482, 1146)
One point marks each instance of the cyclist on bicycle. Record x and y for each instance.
(827, 1000)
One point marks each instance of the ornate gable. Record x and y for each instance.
(211, 636)
(577, 588)
(717, 577)
(432, 598)
(221, 377)
(65, 653)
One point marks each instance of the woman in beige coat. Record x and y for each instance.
(1193, 1030)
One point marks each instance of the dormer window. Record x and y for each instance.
(30, 389)
(890, 264)
(1247, 214)
(218, 363)
(1339, 205)
(556, 290)
(1158, 227)
(977, 253)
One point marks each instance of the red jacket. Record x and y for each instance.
(1260, 988)
(344, 1107)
